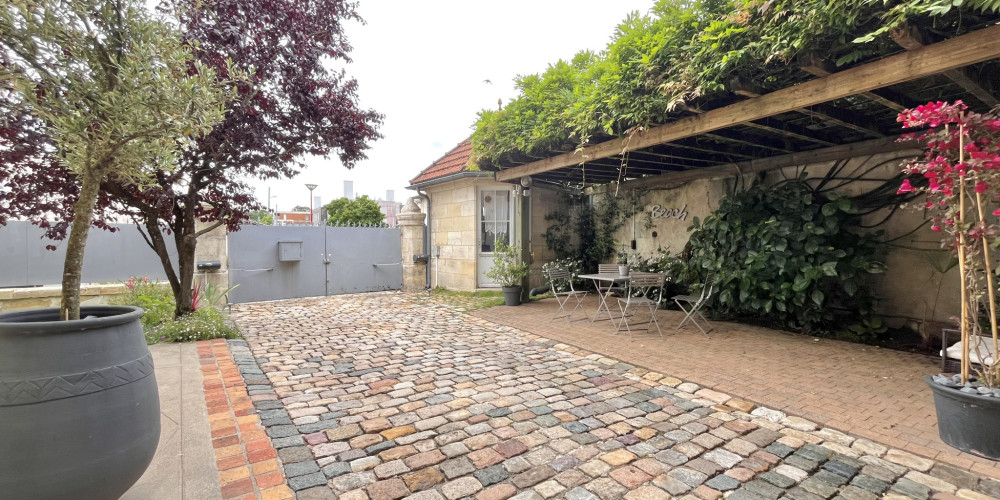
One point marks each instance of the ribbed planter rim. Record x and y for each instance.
(45, 320)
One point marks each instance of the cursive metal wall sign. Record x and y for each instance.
(658, 212)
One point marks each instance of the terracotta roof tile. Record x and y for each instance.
(452, 162)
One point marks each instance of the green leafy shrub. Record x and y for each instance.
(793, 254)
(155, 298)
(158, 322)
(508, 270)
(202, 324)
(694, 53)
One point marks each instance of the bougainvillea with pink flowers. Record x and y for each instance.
(960, 178)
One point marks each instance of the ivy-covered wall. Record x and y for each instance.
(918, 290)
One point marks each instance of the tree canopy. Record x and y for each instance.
(689, 53)
(359, 211)
(107, 94)
(293, 106)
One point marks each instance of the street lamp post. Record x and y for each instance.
(311, 187)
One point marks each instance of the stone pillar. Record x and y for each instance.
(212, 246)
(411, 224)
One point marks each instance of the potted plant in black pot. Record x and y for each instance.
(508, 271)
(960, 178)
(108, 92)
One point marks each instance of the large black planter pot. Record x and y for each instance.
(968, 422)
(512, 295)
(79, 409)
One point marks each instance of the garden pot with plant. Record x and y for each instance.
(623, 266)
(960, 177)
(508, 271)
(115, 92)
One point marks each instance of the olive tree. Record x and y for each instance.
(114, 88)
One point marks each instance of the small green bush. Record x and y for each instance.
(203, 324)
(158, 323)
(155, 298)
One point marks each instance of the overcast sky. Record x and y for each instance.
(423, 65)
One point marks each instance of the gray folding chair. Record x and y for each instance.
(644, 290)
(558, 277)
(614, 288)
(694, 305)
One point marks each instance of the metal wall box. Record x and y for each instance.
(290, 251)
(209, 265)
(420, 257)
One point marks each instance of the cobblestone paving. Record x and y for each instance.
(375, 396)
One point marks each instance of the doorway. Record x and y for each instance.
(496, 222)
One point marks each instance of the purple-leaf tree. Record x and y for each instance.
(294, 105)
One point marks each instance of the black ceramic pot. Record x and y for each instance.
(512, 295)
(79, 408)
(966, 421)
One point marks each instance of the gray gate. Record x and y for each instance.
(281, 262)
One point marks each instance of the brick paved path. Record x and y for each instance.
(376, 396)
(873, 393)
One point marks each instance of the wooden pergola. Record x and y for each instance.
(829, 115)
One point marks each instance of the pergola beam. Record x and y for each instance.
(798, 134)
(839, 118)
(971, 48)
(675, 179)
(908, 37)
(820, 67)
(824, 113)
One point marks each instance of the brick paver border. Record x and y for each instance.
(247, 463)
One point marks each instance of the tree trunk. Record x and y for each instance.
(186, 239)
(159, 245)
(83, 215)
(185, 262)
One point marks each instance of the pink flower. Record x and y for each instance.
(980, 187)
(936, 228)
(997, 212)
(906, 187)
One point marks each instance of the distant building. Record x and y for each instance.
(291, 218)
(391, 210)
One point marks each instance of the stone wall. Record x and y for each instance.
(412, 224)
(453, 235)
(16, 299)
(913, 293)
(213, 246)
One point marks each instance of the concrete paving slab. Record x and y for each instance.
(184, 465)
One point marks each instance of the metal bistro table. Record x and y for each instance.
(599, 278)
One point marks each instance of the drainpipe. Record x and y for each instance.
(427, 240)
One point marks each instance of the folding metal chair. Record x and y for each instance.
(695, 303)
(562, 276)
(643, 290)
(614, 288)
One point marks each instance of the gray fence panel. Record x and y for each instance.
(109, 256)
(363, 259)
(13, 254)
(254, 264)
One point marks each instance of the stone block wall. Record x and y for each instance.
(453, 235)
(16, 299)
(213, 246)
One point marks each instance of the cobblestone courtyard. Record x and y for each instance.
(380, 396)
